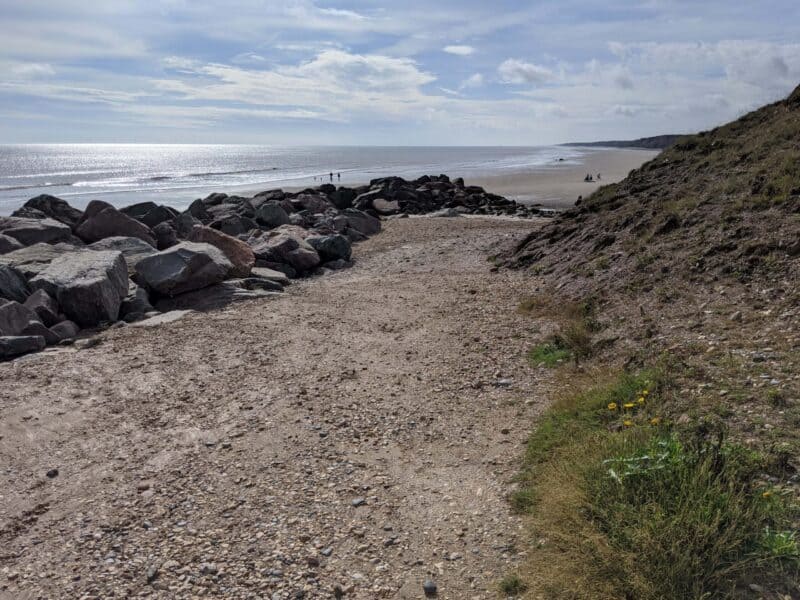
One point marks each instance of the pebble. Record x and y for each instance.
(429, 587)
(359, 501)
(52, 473)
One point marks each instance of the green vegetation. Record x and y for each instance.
(631, 507)
(550, 354)
(512, 585)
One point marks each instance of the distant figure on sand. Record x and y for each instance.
(339, 176)
(330, 175)
(588, 177)
(598, 177)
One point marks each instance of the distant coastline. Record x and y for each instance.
(658, 142)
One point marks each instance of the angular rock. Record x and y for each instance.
(287, 248)
(34, 231)
(45, 307)
(29, 261)
(342, 198)
(331, 247)
(166, 236)
(184, 223)
(132, 248)
(12, 284)
(11, 346)
(56, 209)
(362, 222)
(212, 297)
(149, 213)
(257, 283)
(136, 302)
(234, 225)
(88, 285)
(271, 214)
(35, 328)
(237, 252)
(106, 221)
(276, 276)
(14, 317)
(312, 203)
(367, 199)
(185, 267)
(65, 330)
(8, 244)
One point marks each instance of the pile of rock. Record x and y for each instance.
(63, 270)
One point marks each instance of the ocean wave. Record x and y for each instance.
(32, 186)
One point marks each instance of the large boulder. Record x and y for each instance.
(184, 223)
(132, 248)
(34, 231)
(331, 247)
(271, 274)
(149, 213)
(56, 209)
(312, 203)
(271, 214)
(386, 207)
(365, 200)
(11, 346)
(236, 251)
(104, 221)
(182, 268)
(234, 224)
(14, 317)
(88, 285)
(287, 248)
(36, 328)
(45, 307)
(13, 285)
(342, 198)
(29, 261)
(66, 330)
(361, 221)
(198, 210)
(8, 244)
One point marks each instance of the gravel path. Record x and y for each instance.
(349, 438)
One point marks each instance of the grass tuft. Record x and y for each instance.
(512, 585)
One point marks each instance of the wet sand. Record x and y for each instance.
(560, 185)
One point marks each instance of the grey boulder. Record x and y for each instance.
(361, 221)
(29, 261)
(35, 328)
(149, 213)
(34, 231)
(271, 214)
(331, 247)
(65, 330)
(55, 208)
(45, 307)
(88, 285)
(287, 248)
(102, 220)
(11, 346)
(8, 244)
(12, 284)
(14, 317)
(132, 248)
(183, 268)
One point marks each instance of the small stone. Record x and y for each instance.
(152, 574)
(359, 501)
(208, 569)
(429, 587)
(52, 473)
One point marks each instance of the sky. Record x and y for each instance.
(413, 72)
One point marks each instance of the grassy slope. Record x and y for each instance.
(693, 264)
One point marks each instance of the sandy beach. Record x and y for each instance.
(560, 185)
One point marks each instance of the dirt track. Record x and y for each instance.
(221, 455)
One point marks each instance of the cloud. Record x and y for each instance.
(473, 81)
(517, 72)
(26, 70)
(459, 50)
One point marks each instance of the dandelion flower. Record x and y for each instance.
(655, 421)
(612, 406)
(766, 494)
(640, 400)
(627, 423)
(629, 405)
(645, 392)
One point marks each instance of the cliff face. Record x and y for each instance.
(717, 206)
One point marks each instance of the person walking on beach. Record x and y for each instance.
(339, 176)
(331, 175)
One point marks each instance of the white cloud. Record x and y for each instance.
(27, 70)
(459, 50)
(518, 72)
(473, 81)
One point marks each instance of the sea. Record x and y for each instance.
(177, 174)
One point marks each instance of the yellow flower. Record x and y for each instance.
(629, 405)
(612, 406)
(766, 494)
(655, 421)
(640, 400)
(627, 423)
(645, 392)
